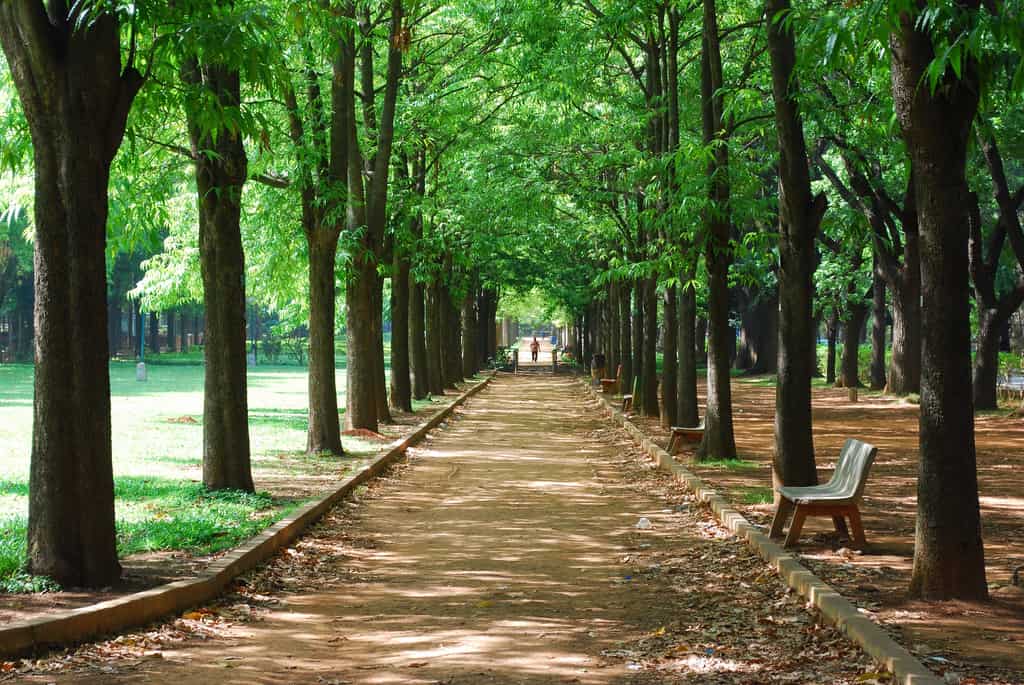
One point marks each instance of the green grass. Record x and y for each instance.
(157, 438)
(755, 495)
(731, 464)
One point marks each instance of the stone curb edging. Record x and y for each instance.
(77, 625)
(838, 610)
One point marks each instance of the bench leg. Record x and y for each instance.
(794, 528)
(673, 445)
(781, 514)
(859, 542)
(840, 524)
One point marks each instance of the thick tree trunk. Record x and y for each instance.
(849, 375)
(670, 362)
(625, 336)
(800, 216)
(949, 558)
(687, 411)
(450, 340)
(219, 180)
(75, 99)
(700, 340)
(324, 431)
(361, 372)
(759, 335)
(418, 340)
(435, 336)
(986, 360)
(401, 387)
(470, 358)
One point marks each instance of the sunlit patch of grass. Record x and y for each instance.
(731, 464)
(755, 495)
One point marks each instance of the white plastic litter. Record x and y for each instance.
(644, 523)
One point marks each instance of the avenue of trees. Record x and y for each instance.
(664, 172)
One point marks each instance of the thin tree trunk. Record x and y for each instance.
(831, 334)
(614, 329)
(380, 383)
(687, 413)
(905, 360)
(949, 558)
(638, 335)
(401, 387)
(625, 336)
(154, 333)
(670, 363)
(849, 376)
(435, 356)
(878, 325)
(418, 340)
(470, 357)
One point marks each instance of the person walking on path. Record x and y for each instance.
(534, 349)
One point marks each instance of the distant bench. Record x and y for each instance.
(681, 433)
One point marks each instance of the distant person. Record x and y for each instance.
(534, 349)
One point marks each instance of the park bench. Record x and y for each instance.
(838, 498)
(680, 433)
(627, 400)
(610, 386)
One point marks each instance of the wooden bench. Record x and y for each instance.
(681, 433)
(839, 497)
(627, 400)
(610, 386)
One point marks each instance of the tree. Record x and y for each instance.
(76, 94)
(800, 215)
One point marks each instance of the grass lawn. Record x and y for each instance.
(157, 451)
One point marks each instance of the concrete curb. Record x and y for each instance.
(76, 625)
(834, 607)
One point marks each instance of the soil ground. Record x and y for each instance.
(984, 640)
(510, 548)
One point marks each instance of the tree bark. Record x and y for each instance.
(849, 375)
(435, 336)
(324, 431)
(949, 559)
(878, 325)
(614, 329)
(380, 382)
(800, 216)
(153, 331)
(361, 372)
(831, 334)
(449, 340)
(625, 336)
(719, 441)
(418, 340)
(687, 411)
(401, 387)
(670, 362)
(638, 335)
(76, 98)
(759, 334)
(470, 358)
(221, 168)
(905, 359)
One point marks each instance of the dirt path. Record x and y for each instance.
(505, 551)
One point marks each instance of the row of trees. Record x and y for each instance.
(657, 170)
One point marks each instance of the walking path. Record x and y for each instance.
(506, 550)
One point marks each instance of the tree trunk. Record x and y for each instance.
(831, 334)
(614, 329)
(849, 376)
(153, 333)
(380, 381)
(800, 216)
(949, 558)
(687, 412)
(625, 336)
(435, 355)
(638, 336)
(401, 387)
(449, 340)
(418, 340)
(670, 363)
(700, 340)
(114, 326)
(759, 335)
(324, 432)
(361, 393)
(649, 383)
(986, 360)
(76, 99)
(718, 441)
(219, 180)
(470, 357)
(878, 314)
(905, 361)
